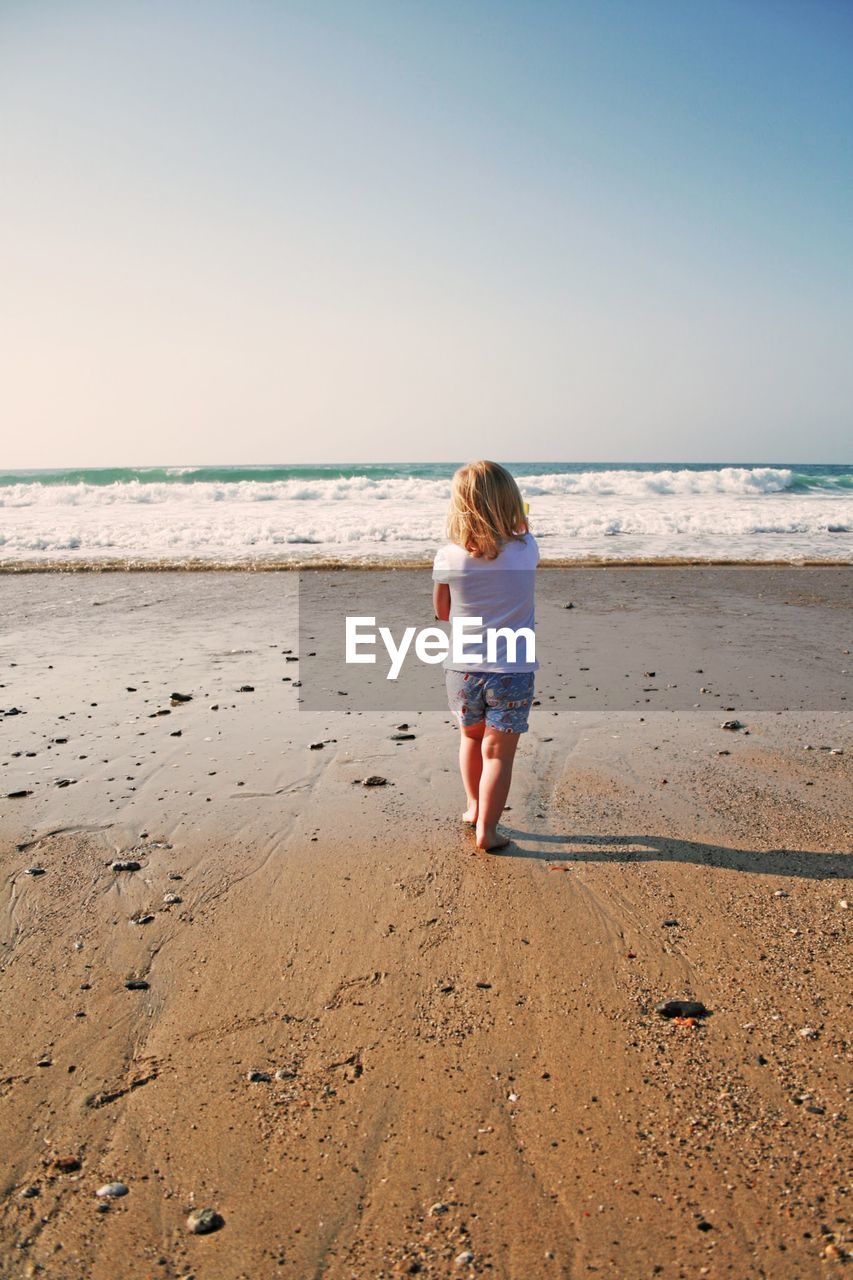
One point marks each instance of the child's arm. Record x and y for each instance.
(441, 601)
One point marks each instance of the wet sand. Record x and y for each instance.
(466, 1072)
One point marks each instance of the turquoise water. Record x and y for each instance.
(803, 477)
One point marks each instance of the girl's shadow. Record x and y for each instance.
(586, 848)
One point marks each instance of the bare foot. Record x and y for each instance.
(491, 842)
(469, 817)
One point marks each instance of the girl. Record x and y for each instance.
(487, 570)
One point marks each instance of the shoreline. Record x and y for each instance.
(14, 567)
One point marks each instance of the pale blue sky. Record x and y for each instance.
(363, 230)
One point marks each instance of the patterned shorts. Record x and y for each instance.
(501, 698)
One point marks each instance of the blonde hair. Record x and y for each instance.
(486, 510)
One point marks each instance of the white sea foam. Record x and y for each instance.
(747, 513)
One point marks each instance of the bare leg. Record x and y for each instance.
(498, 753)
(471, 766)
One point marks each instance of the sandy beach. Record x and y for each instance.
(372, 1050)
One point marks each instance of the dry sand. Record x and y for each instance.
(466, 1072)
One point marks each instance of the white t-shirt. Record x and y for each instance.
(499, 591)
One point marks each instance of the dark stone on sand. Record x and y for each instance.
(704, 1226)
(129, 865)
(375, 781)
(402, 737)
(669, 924)
(732, 725)
(316, 746)
(570, 605)
(13, 711)
(137, 984)
(176, 733)
(64, 782)
(182, 697)
(246, 688)
(34, 871)
(130, 688)
(681, 1009)
(202, 1221)
(17, 795)
(258, 1077)
(144, 918)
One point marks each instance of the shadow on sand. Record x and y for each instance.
(584, 848)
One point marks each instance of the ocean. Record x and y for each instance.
(262, 516)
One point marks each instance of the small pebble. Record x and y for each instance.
(808, 1033)
(112, 1190)
(125, 866)
(202, 1221)
(466, 1256)
(258, 1077)
(681, 1009)
(172, 898)
(438, 1208)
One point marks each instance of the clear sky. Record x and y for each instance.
(367, 230)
